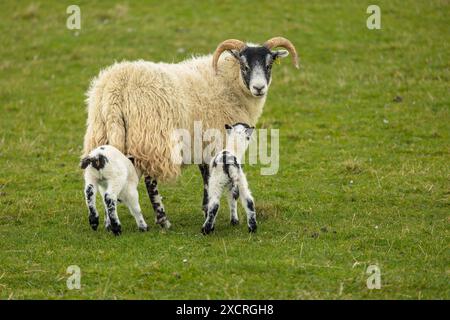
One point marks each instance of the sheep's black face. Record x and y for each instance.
(256, 68)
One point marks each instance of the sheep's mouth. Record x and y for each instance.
(259, 95)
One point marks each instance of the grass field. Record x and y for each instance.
(364, 155)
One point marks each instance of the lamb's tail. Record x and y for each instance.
(97, 162)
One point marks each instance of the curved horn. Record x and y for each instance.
(226, 45)
(285, 43)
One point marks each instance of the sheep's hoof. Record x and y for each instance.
(234, 222)
(143, 228)
(93, 221)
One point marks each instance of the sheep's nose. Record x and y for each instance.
(258, 88)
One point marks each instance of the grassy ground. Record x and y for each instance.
(363, 179)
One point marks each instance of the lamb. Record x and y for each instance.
(135, 106)
(114, 175)
(226, 172)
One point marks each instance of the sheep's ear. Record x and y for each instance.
(249, 131)
(279, 54)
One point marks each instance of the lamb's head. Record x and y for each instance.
(256, 61)
(238, 137)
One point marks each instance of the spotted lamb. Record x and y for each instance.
(226, 173)
(109, 171)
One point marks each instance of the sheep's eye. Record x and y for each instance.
(245, 67)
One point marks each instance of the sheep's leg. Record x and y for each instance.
(204, 169)
(110, 200)
(248, 203)
(90, 191)
(156, 200)
(132, 202)
(233, 195)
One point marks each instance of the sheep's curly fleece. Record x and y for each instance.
(134, 106)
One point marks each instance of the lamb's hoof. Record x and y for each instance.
(207, 229)
(93, 221)
(108, 227)
(116, 229)
(234, 222)
(252, 228)
(143, 228)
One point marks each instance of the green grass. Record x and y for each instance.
(363, 180)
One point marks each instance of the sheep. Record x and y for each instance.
(108, 170)
(135, 106)
(226, 172)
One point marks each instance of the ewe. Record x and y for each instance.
(135, 106)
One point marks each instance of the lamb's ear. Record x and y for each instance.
(228, 128)
(279, 54)
(85, 162)
(249, 131)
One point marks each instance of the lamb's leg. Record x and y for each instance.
(90, 192)
(132, 202)
(214, 192)
(204, 169)
(156, 200)
(233, 195)
(248, 203)
(110, 200)
(107, 221)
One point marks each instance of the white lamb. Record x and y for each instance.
(109, 171)
(226, 172)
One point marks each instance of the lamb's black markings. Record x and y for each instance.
(252, 225)
(204, 169)
(110, 209)
(250, 205)
(96, 162)
(152, 190)
(208, 226)
(252, 220)
(227, 160)
(93, 215)
(245, 125)
(235, 192)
